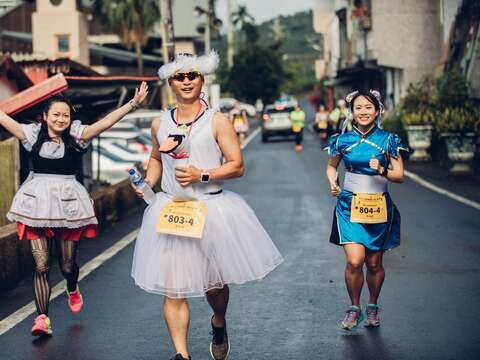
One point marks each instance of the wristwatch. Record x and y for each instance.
(204, 177)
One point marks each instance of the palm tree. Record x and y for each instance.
(131, 19)
(246, 21)
(241, 16)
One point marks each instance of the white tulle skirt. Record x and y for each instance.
(234, 249)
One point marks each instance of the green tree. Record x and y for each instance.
(299, 74)
(452, 90)
(257, 72)
(131, 20)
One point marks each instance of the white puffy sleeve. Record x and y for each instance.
(76, 131)
(31, 135)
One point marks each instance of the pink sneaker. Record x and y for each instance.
(42, 326)
(75, 301)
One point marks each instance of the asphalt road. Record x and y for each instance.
(429, 302)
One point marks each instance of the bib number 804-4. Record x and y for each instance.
(368, 208)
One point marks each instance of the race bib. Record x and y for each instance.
(323, 125)
(238, 121)
(183, 218)
(296, 128)
(368, 208)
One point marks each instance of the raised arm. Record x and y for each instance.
(394, 173)
(12, 126)
(115, 116)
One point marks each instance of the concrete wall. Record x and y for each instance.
(184, 46)
(407, 35)
(7, 88)
(9, 175)
(49, 21)
(324, 19)
(112, 204)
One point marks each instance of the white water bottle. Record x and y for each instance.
(138, 182)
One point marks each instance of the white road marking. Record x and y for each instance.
(24, 312)
(442, 191)
(251, 137)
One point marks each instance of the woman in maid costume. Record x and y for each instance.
(51, 206)
(175, 256)
(366, 222)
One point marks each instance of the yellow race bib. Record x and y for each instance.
(323, 125)
(296, 128)
(183, 218)
(368, 208)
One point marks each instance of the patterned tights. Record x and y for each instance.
(66, 253)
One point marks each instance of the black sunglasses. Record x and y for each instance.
(189, 75)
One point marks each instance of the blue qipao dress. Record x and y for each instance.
(356, 150)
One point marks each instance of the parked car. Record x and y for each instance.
(226, 104)
(276, 121)
(136, 141)
(123, 126)
(142, 119)
(113, 169)
(124, 153)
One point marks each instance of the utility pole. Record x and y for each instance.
(208, 26)
(211, 21)
(278, 30)
(230, 34)
(168, 42)
(208, 47)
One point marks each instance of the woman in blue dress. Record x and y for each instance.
(366, 222)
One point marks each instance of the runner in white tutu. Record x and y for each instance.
(189, 143)
(51, 206)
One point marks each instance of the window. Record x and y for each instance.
(63, 43)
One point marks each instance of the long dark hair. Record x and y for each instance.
(43, 136)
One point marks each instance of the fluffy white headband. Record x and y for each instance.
(205, 64)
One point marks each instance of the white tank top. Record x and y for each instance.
(204, 153)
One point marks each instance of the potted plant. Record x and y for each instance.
(457, 120)
(417, 112)
(458, 128)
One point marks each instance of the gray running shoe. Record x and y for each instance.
(353, 317)
(372, 320)
(220, 345)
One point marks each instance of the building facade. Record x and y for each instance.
(382, 44)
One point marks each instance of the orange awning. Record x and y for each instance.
(33, 95)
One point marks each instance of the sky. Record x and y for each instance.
(263, 10)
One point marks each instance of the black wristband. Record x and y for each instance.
(385, 171)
